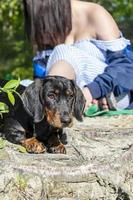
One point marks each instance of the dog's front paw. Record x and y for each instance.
(32, 145)
(58, 149)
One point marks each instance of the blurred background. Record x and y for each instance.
(15, 51)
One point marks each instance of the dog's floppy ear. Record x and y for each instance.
(31, 100)
(79, 103)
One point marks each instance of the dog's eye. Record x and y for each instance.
(70, 95)
(51, 96)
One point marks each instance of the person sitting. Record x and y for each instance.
(81, 41)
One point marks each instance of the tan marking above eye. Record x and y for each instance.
(56, 91)
(69, 93)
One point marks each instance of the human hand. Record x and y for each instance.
(103, 104)
(87, 96)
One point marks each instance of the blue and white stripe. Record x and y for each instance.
(87, 57)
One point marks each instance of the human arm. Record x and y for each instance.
(117, 77)
(104, 25)
(88, 96)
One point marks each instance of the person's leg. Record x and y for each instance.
(62, 68)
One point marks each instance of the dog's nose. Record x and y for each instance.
(66, 120)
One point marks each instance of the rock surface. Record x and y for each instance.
(98, 165)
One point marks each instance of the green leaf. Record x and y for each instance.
(2, 143)
(4, 111)
(22, 149)
(11, 84)
(3, 106)
(11, 97)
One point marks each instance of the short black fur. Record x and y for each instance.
(45, 108)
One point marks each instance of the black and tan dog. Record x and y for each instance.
(47, 106)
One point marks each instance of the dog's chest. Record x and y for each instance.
(43, 130)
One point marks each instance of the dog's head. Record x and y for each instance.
(57, 98)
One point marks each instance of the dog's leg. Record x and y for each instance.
(32, 145)
(55, 145)
(15, 133)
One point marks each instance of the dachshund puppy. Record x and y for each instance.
(46, 107)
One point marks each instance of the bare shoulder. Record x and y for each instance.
(105, 26)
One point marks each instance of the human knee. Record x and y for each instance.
(62, 68)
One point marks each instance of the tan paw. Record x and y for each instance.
(58, 149)
(32, 145)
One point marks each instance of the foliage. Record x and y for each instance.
(2, 143)
(22, 72)
(22, 149)
(21, 181)
(15, 51)
(9, 88)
